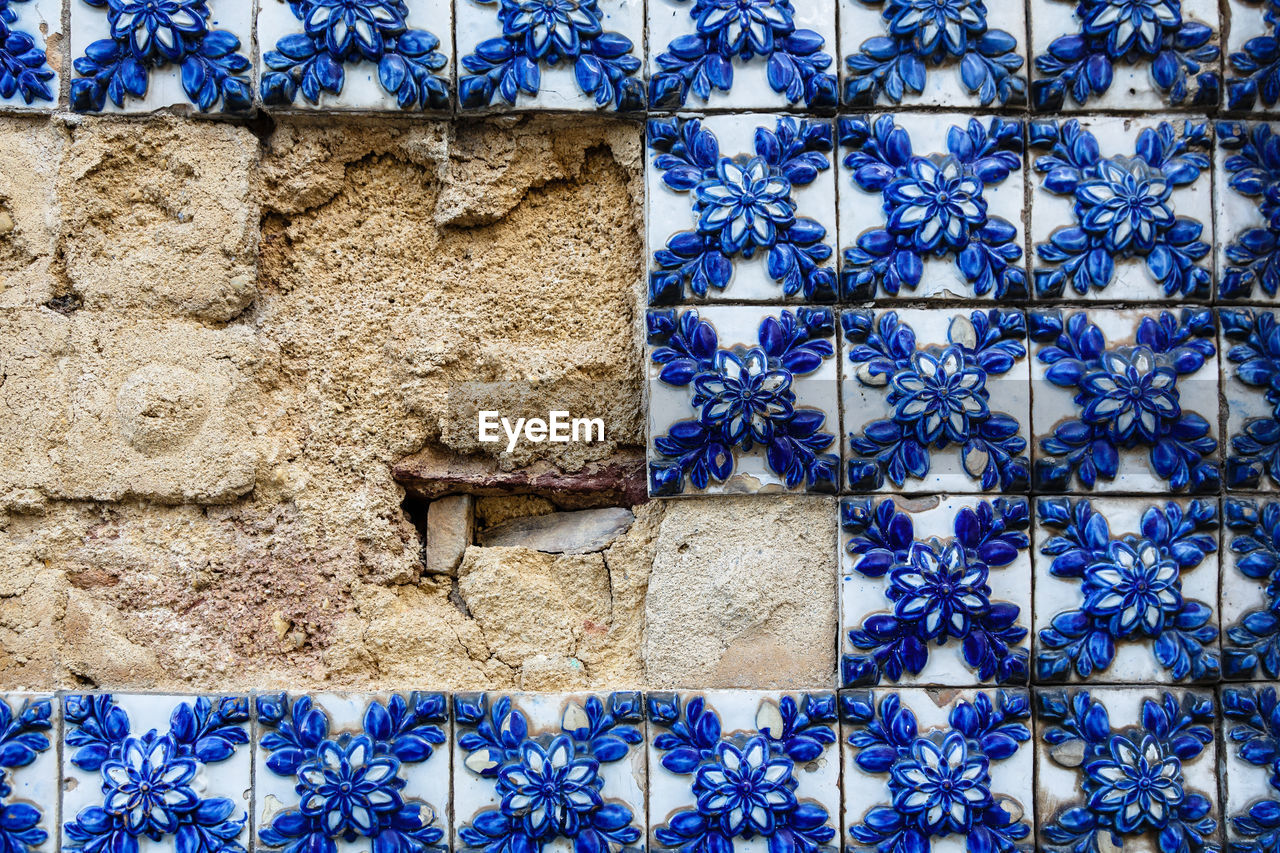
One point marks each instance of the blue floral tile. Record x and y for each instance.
(936, 400)
(556, 55)
(741, 207)
(1126, 589)
(138, 57)
(742, 400)
(934, 590)
(1251, 741)
(1251, 589)
(28, 773)
(1122, 54)
(933, 770)
(537, 772)
(919, 52)
(743, 771)
(340, 772)
(1252, 64)
(1251, 388)
(1120, 209)
(143, 770)
(1247, 211)
(931, 205)
(742, 54)
(364, 54)
(1126, 768)
(1125, 400)
(27, 77)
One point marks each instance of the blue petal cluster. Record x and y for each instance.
(22, 739)
(1257, 66)
(538, 33)
(743, 205)
(1253, 169)
(1252, 645)
(934, 206)
(924, 33)
(744, 397)
(745, 30)
(24, 68)
(339, 33)
(940, 779)
(1122, 208)
(148, 35)
(743, 783)
(1256, 740)
(940, 398)
(1131, 781)
(1127, 398)
(149, 788)
(1131, 589)
(549, 783)
(1256, 359)
(350, 786)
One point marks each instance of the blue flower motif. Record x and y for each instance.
(23, 738)
(1253, 169)
(548, 783)
(537, 33)
(1129, 32)
(1131, 589)
(743, 396)
(350, 785)
(939, 397)
(1122, 208)
(149, 781)
(339, 33)
(1257, 65)
(742, 205)
(24, 68)
(149, 35)
(933, 206)
(744, 783)
(1256, 740)
(1256, 356)
(725, 30)
(1252, 645)
(938, 591)
(922, 33)
(939, 780)
(1128, 399)
(1131, 780)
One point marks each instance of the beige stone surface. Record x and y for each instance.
(31, 151)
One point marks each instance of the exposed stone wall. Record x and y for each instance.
(226, 350)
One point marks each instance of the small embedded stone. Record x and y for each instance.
(449, 527)
(580, 532)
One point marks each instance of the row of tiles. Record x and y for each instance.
(587, 54)
(751, 208)
(693, 771)
(759, 399)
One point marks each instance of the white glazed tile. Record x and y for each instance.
(1243, 20)
(1250, 559)
(29, 777)
(1246, 337)
(1244, 146)
(42, 21)
(1248, 728)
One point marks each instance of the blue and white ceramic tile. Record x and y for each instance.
(385, 55)
(936, 400)
(140, 57)
(1116, 54)
(1250, 361)
(1250, 588)
(934, 590)
(951, 54)
(1251, 740)
(741, 207)
(1126, 590)
(1247, 204)
(560, 772)
(742, 400)
(742, 55)
(1126, 768)
(146, 773)
(743, 771)
(1125, 400)
(28, 773)
(931, 205)
(28, 75)
(554, 55)
(942, 771)
(1252, 52)
(341, 772)
(1121, 209)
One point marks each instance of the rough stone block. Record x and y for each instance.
(30, 153)
(561, 532)
(450, 522)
